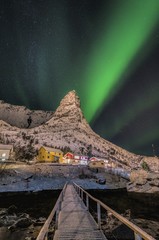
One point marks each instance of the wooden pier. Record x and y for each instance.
(74, 221)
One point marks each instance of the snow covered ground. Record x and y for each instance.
(37, 177)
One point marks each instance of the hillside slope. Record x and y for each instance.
(66, 128)
(18, 115)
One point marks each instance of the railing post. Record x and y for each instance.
(56, 218)
(82, 195)
(60, 203)
(137, 236)
(46, 236)
(87, 202)
(99, 215)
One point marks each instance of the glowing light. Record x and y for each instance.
(124, 35)
(133, 108)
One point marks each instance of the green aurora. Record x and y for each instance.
(116, 52)
(99, 49)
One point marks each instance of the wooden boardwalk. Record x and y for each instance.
(74, 221)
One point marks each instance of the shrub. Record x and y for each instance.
(145, 166)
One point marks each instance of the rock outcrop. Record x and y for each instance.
(143, 181)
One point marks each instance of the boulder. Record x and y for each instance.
(23, 222)
(3, 212)
(139, 177)
(12, 209)
(143, 181)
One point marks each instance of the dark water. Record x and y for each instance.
(143, 208)
(139, 204)
(35, 204)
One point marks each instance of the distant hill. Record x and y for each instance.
(18, 115)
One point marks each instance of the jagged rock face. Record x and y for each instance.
(18, 115)
(69, 116)
(69, 110)
(70, 99)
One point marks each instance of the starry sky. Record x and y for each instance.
(106, 50)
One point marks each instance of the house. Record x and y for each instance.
(96, 164)
(82, 160)
(68, 158)
(85, 158)
(93, 159)
(69, 155)
(76, 159)
(5, 152)
(50, 154)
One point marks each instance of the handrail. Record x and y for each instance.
(139, 233)
(44, 230)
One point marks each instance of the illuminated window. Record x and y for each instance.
(3, 156)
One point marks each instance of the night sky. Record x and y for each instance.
(106, 50)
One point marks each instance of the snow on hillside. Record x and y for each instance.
(66, 128)
(18, 115)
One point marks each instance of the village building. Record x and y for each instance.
(82, 160)
(93, 159)
(96, 164)
(5, 152)
(50, 155)
(68, 158)
(69, 155)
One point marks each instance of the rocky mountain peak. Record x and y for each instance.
(70, 99)
(68, 112)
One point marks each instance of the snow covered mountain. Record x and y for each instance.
(66, 128)
(18, 115)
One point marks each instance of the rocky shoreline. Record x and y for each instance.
(23, 214)
(142, 181)
(38, 177)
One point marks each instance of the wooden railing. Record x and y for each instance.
(85, 196)
(43, 234)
